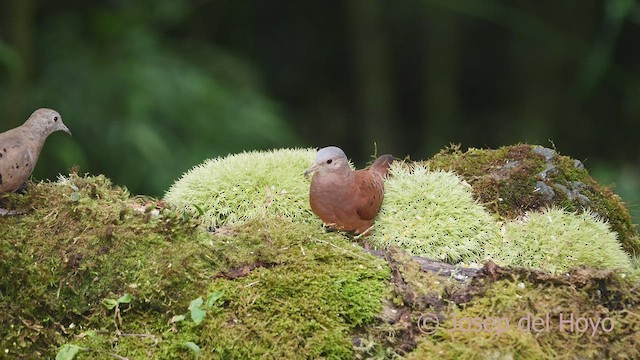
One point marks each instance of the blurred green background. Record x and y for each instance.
(152, 87)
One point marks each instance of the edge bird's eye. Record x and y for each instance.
(55, 118)
(329, 161)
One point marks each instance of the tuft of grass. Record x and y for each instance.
(555, 240)
(432, 214)
(250, 185)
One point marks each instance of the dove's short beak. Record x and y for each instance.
(66, 129)
(311, 169)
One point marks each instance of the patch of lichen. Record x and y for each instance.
(511, 294)
(290, 289)
(515, 179)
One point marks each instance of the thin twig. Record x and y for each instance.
(337, 247)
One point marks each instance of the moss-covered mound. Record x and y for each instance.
(433, 214)
(515, 179)
(246, 186)
(506, 314)
(90, 267)
(428, 213)
(555, 241)
(88, 271)
(82, 241)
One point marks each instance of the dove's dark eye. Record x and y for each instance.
(55, 118)
(329, 161)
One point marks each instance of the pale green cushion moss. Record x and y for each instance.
(428, 213)
(245, 186)
(555, 240)
(432, 214)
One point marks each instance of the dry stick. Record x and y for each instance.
(337, 247)
(435, 266)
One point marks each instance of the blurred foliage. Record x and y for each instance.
(151, 88)
(144, 109)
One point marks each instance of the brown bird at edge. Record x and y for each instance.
(345, 199)
(20, 148)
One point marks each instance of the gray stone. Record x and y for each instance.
(550, 169)
(565, 190)
(545, 190)
(546, 153)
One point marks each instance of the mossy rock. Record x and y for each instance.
(273, 284)
(443, 317)
(515, 179)
(282, 288)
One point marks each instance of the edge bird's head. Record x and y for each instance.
(46, 121)
(329, 159)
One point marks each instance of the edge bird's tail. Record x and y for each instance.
(381, 165)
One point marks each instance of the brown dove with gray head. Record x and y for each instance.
(345, 199)
(20, 147)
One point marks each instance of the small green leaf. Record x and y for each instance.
(193, 347)
(200, 211)
(124, 299)
(214, 297)
(196, 303)
(197, 314)
(67, 352)
(110, 303)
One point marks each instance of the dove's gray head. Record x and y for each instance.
(329, 159)
(46, 121)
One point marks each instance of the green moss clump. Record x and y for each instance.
(432, 214)
(289, 288)
(83, 240)
(297, 293)
(321, 290)
(507, 293)
(555, 240)
(547, 300)
(246, 186)
(513, 180)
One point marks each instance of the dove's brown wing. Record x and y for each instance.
(16, 161)
(369, 193)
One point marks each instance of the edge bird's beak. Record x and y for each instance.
(313, 168)
(66, 129)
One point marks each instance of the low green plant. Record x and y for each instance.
(68, 352)
(198, 308)
(193, 347)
